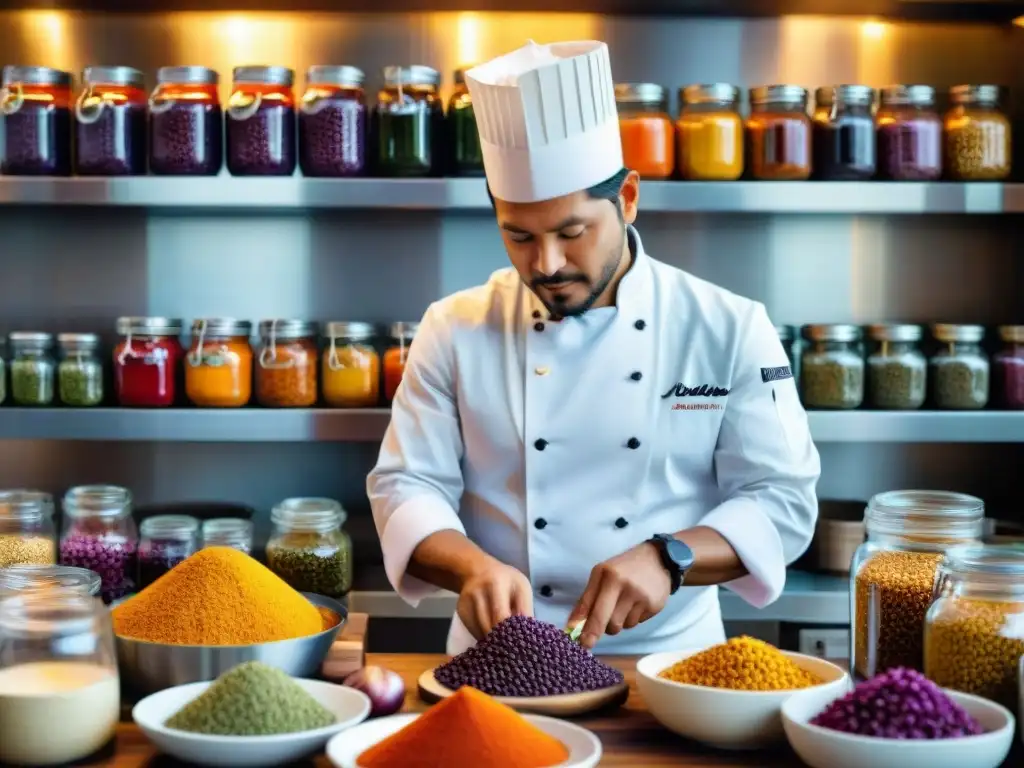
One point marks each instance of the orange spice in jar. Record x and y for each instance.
(402, 335)
(218, 366)
(351, 366)
(779, 133)
(286, 369)
(710, 133)
(648, 136)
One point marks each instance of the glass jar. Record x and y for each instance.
(111, 123)
(59, 685)
(647, 133)
(165, 541)
(32, 368)
(186, 123)
(710, 132)
(958, 372)
(218, 366)
(788, 338)
(779, 134)
(832, 367)
(286, 374)
(909, 134)
(893, 572)
(231, 532)
(1008, 369)
(147, 361)
(972, 638)
(896, 367)
(31, 578)
(308, 547)
(35, 104)
(80, 372)
(978, 134)
(332, 123)
(843, 133)
(3, 371)
(395, 356)
(351, 366)
(99, 534)
(409, 122)
(261, 122)
(27, 534)
(463, 137)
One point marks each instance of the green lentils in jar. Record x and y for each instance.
(897, 368)
(31, 368)
(309, 549)
(832, 367)
(959, 368)
(80, 373)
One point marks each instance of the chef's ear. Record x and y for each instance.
(629, 196)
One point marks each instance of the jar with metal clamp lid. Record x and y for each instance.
(186, 123)
(958, 370)
(710, 133)
(332, 122)
(32, 368)
(978, 134)
(647, 133)
(111, 123)
(409, 122)
(261, 122)
(832, 367)
(27, 533)
(402, 335)
(309, 548)
(35, 118)
(351, 365)
(843, 133)
(286, 369)
(464, 139)
(80, 372)
(896, 367)
(779, 134)
(218, 366)
(147, 361)
(909, 134)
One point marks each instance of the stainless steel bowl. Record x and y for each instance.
(151, 667)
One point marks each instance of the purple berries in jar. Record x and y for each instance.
(909, 134)
(332, 122)
(261, 122)
(165, 541)
(110, 123)
(35, 116)
(186, 123)
(99, 535)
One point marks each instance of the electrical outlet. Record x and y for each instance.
(825, 643)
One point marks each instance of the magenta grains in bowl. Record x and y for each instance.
(898, 704)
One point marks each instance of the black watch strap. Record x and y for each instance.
(676, 567)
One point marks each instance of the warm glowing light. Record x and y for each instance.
(1019, 21)
(468, 42)
(47, 32)
(873, 30)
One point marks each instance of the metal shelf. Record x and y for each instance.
(298, 193)
(368, 425)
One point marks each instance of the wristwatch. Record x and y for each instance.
(676, 556)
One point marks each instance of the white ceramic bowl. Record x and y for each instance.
(825, 748)
(348, 705)
(724, 718)
(343, 750)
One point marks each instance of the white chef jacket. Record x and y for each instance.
(558, 445)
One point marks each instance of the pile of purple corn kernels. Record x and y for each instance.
(526, 657)
(898, 704)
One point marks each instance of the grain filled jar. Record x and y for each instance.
(233, 532)
(647, 133)
(260, 124)
(978, 134)
(710, 133)
(779, 134)
(35, 107)
(286, 369)
(972, 639)
(32, 368)
(27, 533)
(463, 137)
(909, 134)
(1008, 369)
(111, 123)
(98, 534)
(218, 366)
(165, 541)
(351, 366)
(892, 575)
(409, 122)
(39, 578)
(843, 133)
(332, 123)
(958, 370)
(897, 368)
(186, 123)
(147, 361)
(395, 356)
(832, 367)
(308, 548)
(80, 371)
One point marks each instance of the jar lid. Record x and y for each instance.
(36, 76)
(113, 76)
(227, 528)
(312, 514)
(908, 95)
(150, 326)
(832, 332)
(975, 94)
(785, 332)
(78, 342)
(981, 560)
(221, 326)
(331, 74)
(650, 94)
(97, 501)
(31, 339)
(191, 75)
(344, 329)
(169, 527)
(826, 95)
(894, 332)
(948, 332)
(404, 330)
(22, 578)
(705, 93)
(288, 329)
(23, 504)
(1013, 334)
(941, 513)
(778, 94)
(264, 75)
(417, 74)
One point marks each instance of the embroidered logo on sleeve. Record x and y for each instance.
(769, 375)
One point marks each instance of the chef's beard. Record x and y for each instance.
(559, 306)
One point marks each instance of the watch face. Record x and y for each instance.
(679, 553)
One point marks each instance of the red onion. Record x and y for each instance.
(385, 688)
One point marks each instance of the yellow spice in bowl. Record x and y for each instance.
(741, 664)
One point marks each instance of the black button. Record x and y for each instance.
(636, 375)
(540, 523)
(538, 326)
(621, 522)
(545, 591)
(536, 313)
(540, 444)
(633, 443)
(639, 325)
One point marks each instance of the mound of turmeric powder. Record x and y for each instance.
(219, 596)
(741, 664)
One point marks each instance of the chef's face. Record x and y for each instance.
(571, 250)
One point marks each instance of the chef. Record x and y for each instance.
(592, 437)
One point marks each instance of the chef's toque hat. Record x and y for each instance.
(547, 120)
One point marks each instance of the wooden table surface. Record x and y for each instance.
(631, 737)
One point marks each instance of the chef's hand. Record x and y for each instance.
(491, 595)
(622, 592)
